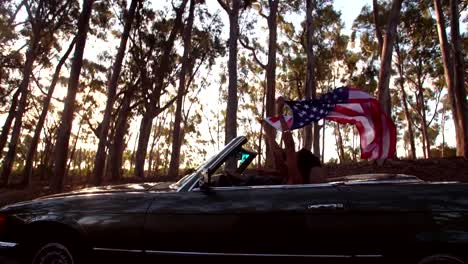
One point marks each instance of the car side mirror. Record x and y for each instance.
(205, 180)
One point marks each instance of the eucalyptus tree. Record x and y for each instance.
(100, 158)
(386, 56)
(418, 47)
(201, 47)
(329, 48)
(44, 21)
(11, 61)
(66, 119)
(156, 61)
(458, 77)
(28, 169)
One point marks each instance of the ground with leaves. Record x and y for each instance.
(448, 169)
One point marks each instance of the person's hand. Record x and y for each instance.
(279, 105)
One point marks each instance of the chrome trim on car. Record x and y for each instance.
(119, 250)
(192, 253)
(368, 256)
(282, 186)
(8, 244)
(185, 253)
(325, 206)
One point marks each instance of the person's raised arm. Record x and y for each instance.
(291, 159)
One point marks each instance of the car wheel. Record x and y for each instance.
(53, 253)
(441, 259)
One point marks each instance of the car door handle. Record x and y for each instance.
(333, 206)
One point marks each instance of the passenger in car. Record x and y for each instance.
(310, 168)
(301, 167)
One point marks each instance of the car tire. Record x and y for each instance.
(441, 259)
(53, 252)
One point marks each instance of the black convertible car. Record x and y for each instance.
(355, 219)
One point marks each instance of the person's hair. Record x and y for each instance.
(306, 161)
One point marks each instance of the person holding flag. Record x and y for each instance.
(346, 106)
(295, 167)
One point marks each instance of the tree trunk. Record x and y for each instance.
(423, 141)
(386, 58)
(322, 157)
(9, 121)
(151, 152)
(458, 78)
(443, 132)
(116, 150)
(271, 73)
(24, 91)
(232, 100)
(132, 158)
(80, 158)
(378, 29)
(111, 92)
(72, 153)
(153, 110)
(339, 142)
(176, 135)
(410, 125)
(143, 139)
(424, 126)
(405, 102)
(448, 72)
(260, 138)
(310, 87)
(63, 137)
(28, 169)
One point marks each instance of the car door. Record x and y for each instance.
(386, 217)
(261, 221)
(327, 227)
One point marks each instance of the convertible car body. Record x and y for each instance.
(358, 219)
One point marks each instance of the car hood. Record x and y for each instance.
(102, 192)
(130, 187)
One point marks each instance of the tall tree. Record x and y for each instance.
(386, 57)
(311, 85)
(232, 8)
(378, 27)
(176, 135)
(270, 66)
(448, 72)
(458, 77)
(417, 44)
(111, 94)
(404, 100)
(45, 19)
(28, 169)
(9, 121)
(154, 92)
(63, 136)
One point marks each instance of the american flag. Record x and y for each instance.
(347, 106)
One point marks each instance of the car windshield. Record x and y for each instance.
(212, 164)
(187, 177)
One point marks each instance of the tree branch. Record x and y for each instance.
(245, 45)
(224, 6)
(436, 107)
(262, 14)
